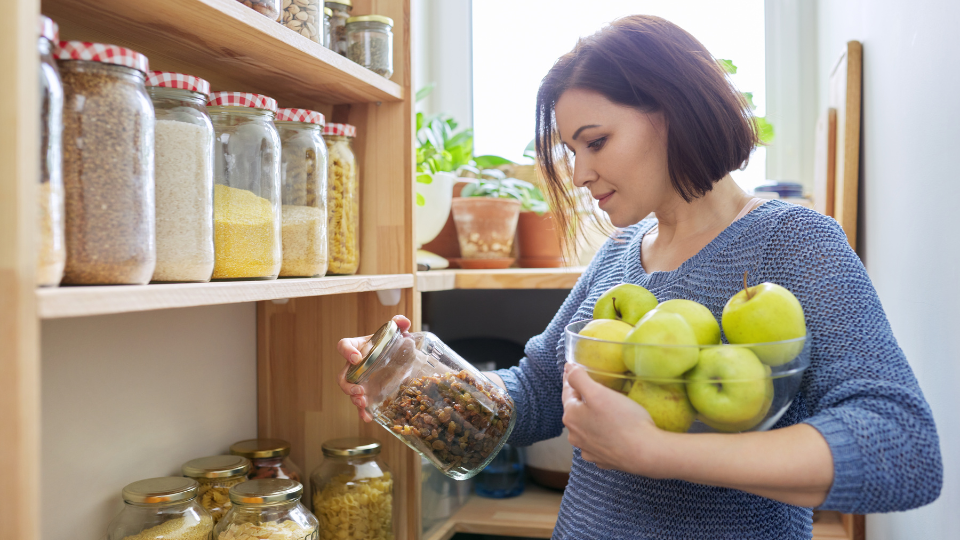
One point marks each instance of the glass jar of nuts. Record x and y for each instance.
(339, 13)
(433, 400)
(343, 201)
(370, 43)
(267, 508)
(161, 508)
(267, 8)
(269, 458)
(304, 17)
(216, 475)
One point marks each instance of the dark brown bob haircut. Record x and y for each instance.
(653, 65)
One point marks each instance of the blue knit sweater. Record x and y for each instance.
(859, 391)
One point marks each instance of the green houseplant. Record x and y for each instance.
(485, 216)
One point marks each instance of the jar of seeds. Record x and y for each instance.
(339, 13)
(303, 192)
(370, 43)
(327, 13)
(216, 475)
(183, 159)
(343, 201)
(52, 252)
(164, 508)
(267, 8)
(304, 18)
(246, 191)
(108, 126)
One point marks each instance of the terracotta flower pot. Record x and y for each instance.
(539, 245)
(485, 229)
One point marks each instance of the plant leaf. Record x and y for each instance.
(468, 190)
(749, 97)
(424, 179)
(727, 65)
(531, 150)
(764, 130)
(420, 200)
(489, 162)
(425, 92)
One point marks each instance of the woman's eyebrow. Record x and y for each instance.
(577, 132)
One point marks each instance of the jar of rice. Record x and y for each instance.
(161, 508)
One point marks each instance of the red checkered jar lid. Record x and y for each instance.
(242, 99)
(103, 53)
(340, 130)
(180, 81)
(300, 115)
(49, 30)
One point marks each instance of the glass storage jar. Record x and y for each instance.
(216, 475)
(370, 43)
(340, 12)
(267, 8)
(303, 191)
(433, 400)
(183, 177)
(246, 191)
(269, 458)
(343, 201)
(52, 251)
(304, 17)
(161, 508)
(327, 13)
(267, 508)
(352, 491)
(107, 165)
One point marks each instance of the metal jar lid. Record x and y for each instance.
(216, 467)
(162, 490)
(371, 18)
(266, 491)
(351, 447)
(328, 12)
(378, 343)
(261, 448)
(348, 3)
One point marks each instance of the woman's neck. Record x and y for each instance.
(679, 220)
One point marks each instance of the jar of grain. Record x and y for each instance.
(339, 13)
(216, 475)
(370, 43)
(52, 251)
(352, 491)
(267, 8)
(303, 191)
(304, 17)
(343, 201)
(164, 508)
(268, 508)
(327, 13)
(183, 161)
(108, 126)
(246, 199)
(269, 458)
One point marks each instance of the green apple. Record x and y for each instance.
(666, 346)
(606, 355)
(699, 318)
(667, 404)
(729, 385)
(751, 423)
(625, 302)
(765, 313)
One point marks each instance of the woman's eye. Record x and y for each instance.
(597, 144)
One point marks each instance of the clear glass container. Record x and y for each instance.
(161, 509)
(183, 161)
(304, 17)
(268, 508)
(327, 13)
(267, 8)
(343, 201)
(303, 193)
(216, 475)
(340, 12)
(504, 476)
(108, 127)
(434, 400)
(246, 205)
(52, 251)
(370, 43)
(352, 491)
(269, 458)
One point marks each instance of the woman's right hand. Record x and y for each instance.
(353, 349)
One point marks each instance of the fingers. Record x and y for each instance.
(569, 395)
(349, 348)
(403, 323)
(355, 392)
(581, 382)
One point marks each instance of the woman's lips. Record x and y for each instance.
(604, 198)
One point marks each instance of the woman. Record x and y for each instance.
(656, 127)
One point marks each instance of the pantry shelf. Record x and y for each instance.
(510, 278)
(231, 45)
(102, 300)
(533, 514)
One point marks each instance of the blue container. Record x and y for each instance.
(784, 190)
(504, 476)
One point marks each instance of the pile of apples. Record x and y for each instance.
(669, 357)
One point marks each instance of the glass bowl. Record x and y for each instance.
(727, 389)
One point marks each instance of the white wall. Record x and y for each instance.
(127, 397)
(910, 190)
(442, 54)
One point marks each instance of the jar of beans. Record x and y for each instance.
(267, 8)
(52, 252)
(339, 13)
(108, 126)
(370, 43)
(269, 508)
(343, 200)
(269, 458)
(215, 476)
(246, 191)
(161, 508)
(433, 400)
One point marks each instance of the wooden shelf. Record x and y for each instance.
(510, 278)
(228, 43)
(102, 300)
(531, 515)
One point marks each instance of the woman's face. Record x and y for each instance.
(621, 154)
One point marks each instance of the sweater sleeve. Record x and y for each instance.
(859, 389)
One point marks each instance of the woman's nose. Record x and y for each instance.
(583, 174)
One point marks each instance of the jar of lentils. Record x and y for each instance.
(370, 43)
(339, 13)
(215, 476)
(246, 191)
(343, 201)
(161, 508)
(52, 252)
(352, 491)
(108, 127)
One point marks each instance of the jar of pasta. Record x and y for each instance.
(303, 193)
(246, 191)
(343, 201)
(339, 13)
(352, 491)
(164, 508)
(267, 509)
(216, 475)
(269, 458)
(52, 252)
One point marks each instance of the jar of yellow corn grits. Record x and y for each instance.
(343, 200)
(216, 475)
(246, 191)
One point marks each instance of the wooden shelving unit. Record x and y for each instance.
(510, 278)
(531, 515)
